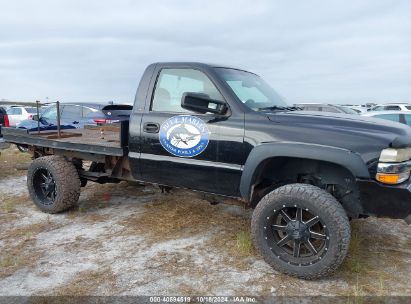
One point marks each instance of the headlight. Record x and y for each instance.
(395, 155)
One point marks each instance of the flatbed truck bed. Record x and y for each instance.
(103, 140)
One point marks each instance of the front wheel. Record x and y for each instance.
(301, 230)
(53, 184)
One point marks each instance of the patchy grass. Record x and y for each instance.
(8, 261)
(89, 282)
(10, 204)
(244, 243)
(9, 207)
(9, 158)
(371, 266)
(86, 215)
(183, 215)
(18, 250)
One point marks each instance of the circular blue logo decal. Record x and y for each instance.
(184, 135)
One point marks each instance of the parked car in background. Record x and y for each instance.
(392, 107)
(325, 108)
(403, 117)
(3, 117)
(77, 115)
(4, 122)
(17, 114)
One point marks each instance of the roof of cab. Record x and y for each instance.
(198, 64)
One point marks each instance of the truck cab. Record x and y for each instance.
(158, 117)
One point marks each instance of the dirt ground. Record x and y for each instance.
(128, 239)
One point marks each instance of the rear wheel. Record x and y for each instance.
(301, 230)
(53, 184)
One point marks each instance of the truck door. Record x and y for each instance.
(179, 147)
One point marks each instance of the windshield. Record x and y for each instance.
(252, 90)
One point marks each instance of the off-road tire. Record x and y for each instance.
(66, 179)
(320, 203)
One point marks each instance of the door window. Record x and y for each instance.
(50, 113)
(31, 110)
(407, 119)
(173, 83)
(89, 112)
(312, 108)
(14, 111)
(330, 109)
(71, 112)
(392, 108)
(392, 117)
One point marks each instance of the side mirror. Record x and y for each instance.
(202, 103)
(35, 117)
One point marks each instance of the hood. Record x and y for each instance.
(360, 134)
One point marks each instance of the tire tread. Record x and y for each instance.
(325, 201)
(65, 175)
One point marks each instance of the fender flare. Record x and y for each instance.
(345, 158)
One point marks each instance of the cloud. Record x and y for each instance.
(333, 51)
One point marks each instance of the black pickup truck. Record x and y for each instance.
(224, 131)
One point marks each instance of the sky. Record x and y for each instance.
(309, 51)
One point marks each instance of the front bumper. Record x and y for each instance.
(381, 200)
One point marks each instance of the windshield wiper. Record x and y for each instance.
(280, 108)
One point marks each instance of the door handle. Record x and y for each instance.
(151, 127)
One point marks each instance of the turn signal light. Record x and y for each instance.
(388, 178)
(392, 178)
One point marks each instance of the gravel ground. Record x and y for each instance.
(133, 240)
